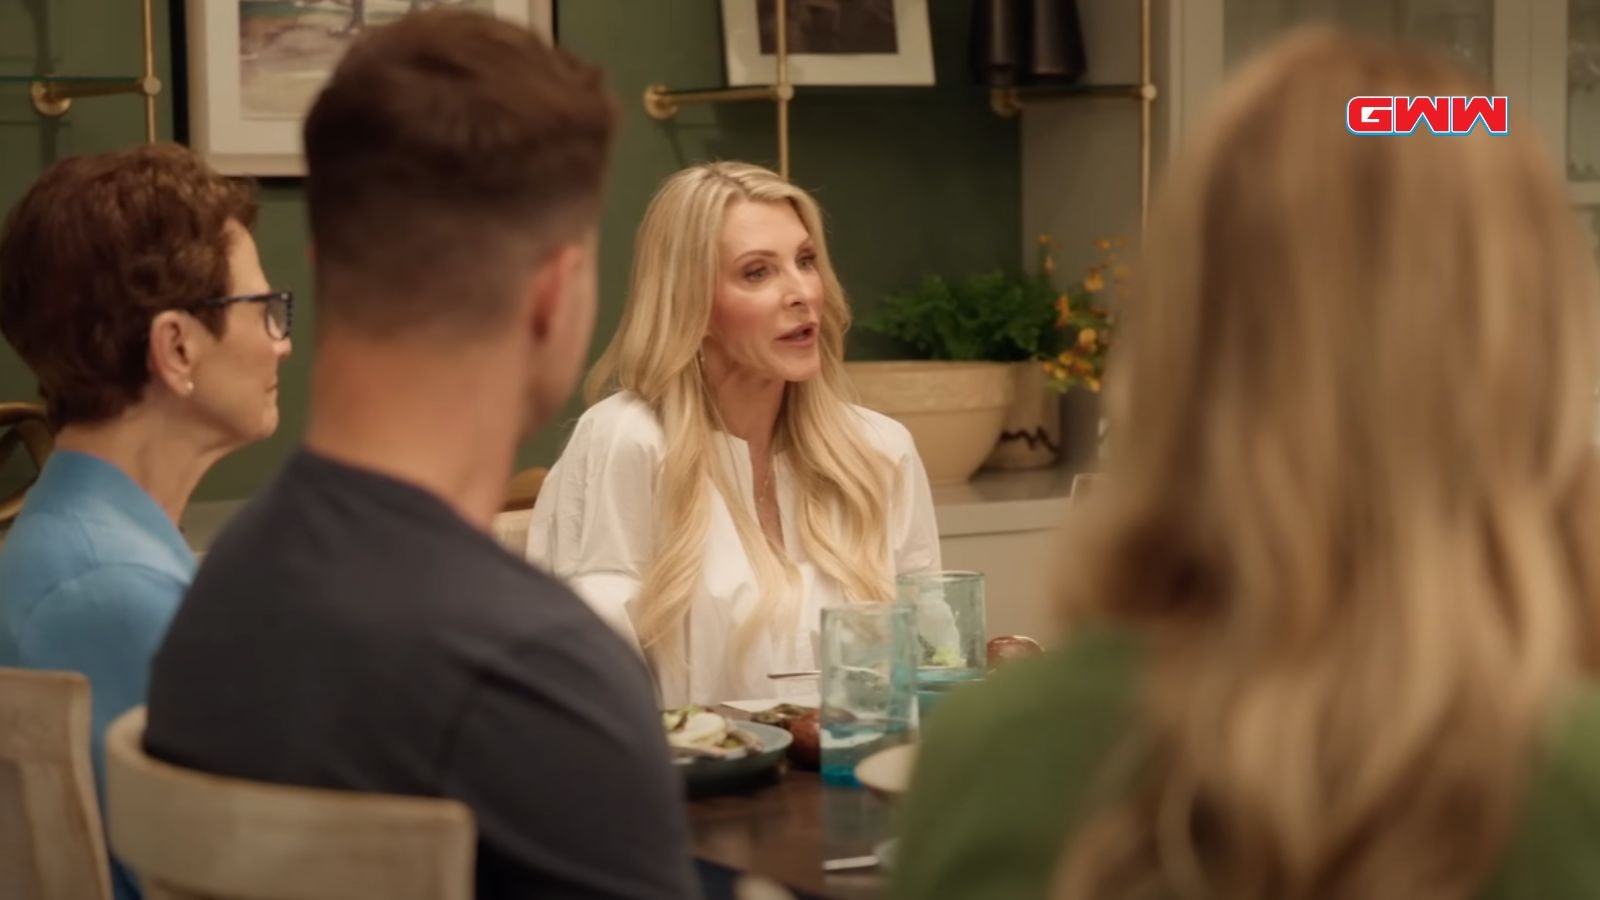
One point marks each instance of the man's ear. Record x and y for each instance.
(173, 350)
(549, 288)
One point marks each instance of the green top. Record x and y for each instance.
(1006, 770)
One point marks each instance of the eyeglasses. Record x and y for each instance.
(278, 307)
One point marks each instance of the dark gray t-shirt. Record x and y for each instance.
(348, 630)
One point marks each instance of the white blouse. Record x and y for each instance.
(594, 521)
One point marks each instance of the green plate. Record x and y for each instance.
(708, 777)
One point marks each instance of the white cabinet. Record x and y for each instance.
(1566, 86)
(1006, 524)
(1543, 54)
(1210, 36)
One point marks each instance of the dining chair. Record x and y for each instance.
(756, 887)
(195, 836)
(23, 425)
(51, 843)
(523, 489)
(510, 529)
(510, 526)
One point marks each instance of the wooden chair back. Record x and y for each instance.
(195, 836)
(51, 843)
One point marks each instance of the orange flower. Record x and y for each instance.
(1086, 338)
(1092, 383)
(1063, 310)
(1102, 244)
(1094, 282)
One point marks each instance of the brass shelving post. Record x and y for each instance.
(53, 97)
(663, 103)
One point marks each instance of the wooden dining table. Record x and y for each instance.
(782, 829)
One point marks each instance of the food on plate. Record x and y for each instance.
(1011, 646)
(781, 715)
(694, 732)
(805, 751)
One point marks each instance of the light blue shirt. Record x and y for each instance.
(91, 574)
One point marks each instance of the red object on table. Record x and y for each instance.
(1010, 647)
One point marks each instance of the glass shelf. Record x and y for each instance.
(67, 79)
(930, 90)
(1010, 101)
(1074, 90)
(1003, 101)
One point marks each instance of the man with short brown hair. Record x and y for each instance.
(357, 627)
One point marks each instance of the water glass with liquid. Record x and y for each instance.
(952, 637)
(868, 662)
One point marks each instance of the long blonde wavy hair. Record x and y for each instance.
(1352, 511)
(841, 481)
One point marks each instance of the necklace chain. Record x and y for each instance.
(764, 501)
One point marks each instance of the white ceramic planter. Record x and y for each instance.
(954, 410)
(1031, 436)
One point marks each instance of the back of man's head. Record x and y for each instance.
(449, 156)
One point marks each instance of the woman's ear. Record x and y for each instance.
(173, 350)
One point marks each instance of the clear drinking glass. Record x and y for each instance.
(952, 638)
(868, 657)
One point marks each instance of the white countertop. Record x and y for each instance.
(1004, 500)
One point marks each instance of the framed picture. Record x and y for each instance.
(830, 41)
(256, 66)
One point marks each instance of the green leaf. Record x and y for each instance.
(991, 316)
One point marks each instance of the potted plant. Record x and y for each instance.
(1074, 357)
(967, 337)
(993, 351)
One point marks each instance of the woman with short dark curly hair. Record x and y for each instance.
(130, 285)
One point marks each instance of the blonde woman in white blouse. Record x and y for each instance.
(721, 488)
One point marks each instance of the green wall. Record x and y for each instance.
(911, 180)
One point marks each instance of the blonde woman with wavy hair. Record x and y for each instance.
(1335, 610)
(722, 488)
